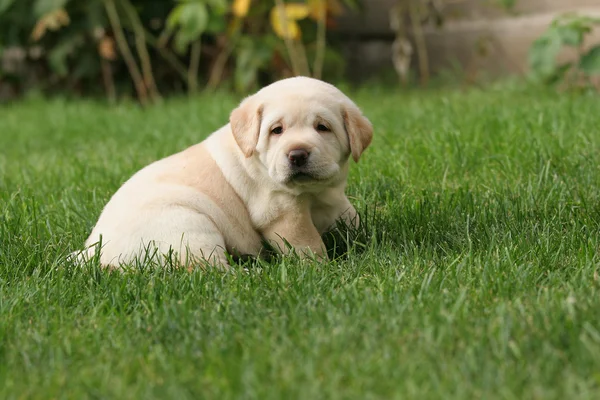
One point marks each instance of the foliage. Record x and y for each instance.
(478, 278)
(566, 31)
(156, 46)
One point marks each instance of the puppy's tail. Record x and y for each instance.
(82, 257)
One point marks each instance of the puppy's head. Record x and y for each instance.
(302, 131)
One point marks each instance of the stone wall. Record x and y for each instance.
(478, 36)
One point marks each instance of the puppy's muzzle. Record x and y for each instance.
(298, 157)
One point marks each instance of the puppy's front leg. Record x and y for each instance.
(297, 229)
(348, 214)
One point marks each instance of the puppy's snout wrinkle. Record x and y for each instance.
(298, 157)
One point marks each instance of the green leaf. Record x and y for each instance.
(543, 52)
(559, 73)
(245, 73)
(252, 55)
(569, 35)
(5, 4)
(173, 17)
(43, 7)
(192, 20)
(182, 41)
(216, 24)
(590, 61)
(219, 7)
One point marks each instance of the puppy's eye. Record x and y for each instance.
(323, 128)
(277, 130)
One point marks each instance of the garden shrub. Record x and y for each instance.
(147, 48)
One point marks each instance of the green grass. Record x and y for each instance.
(477, 278)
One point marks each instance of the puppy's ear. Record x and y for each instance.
(359, 130)
(245, 125)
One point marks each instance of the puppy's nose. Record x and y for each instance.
(298, 157)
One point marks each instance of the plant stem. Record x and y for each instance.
(321, 43)
(107, 78)
(140, 45)
(289, 42)
(216, 72)
(134, 71)
(305, 71)
(419, 41)
(193, 68)
(171, 58)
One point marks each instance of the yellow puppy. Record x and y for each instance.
(277, 171)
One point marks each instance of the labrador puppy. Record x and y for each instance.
(276, 172)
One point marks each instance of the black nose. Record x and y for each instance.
(298, 157)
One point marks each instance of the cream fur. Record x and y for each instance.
(235, 188)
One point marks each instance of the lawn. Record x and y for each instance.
(476, 275)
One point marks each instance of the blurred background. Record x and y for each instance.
(148, 49)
